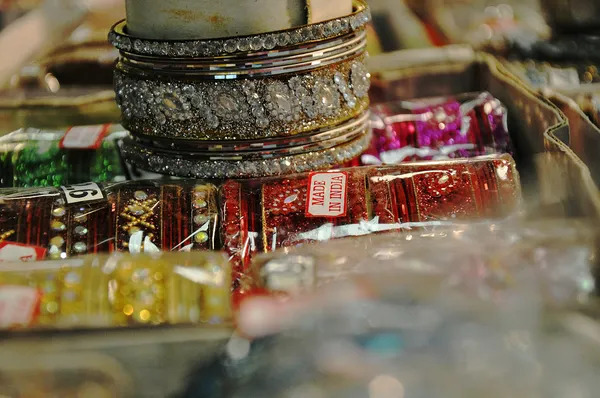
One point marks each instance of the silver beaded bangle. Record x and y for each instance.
(314, 140)
(245, 45)
(249, 164)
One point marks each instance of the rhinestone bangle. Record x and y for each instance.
(246, 109)
(126, 43)
(252, 149)
(303, 59)
(153, 160)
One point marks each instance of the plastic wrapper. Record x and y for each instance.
(490, 260)
(250, 216)
(486, 311)
(417, 327)
(485, 25)
(118, 363)
(116, 291)
(438, 128)
(32, 157)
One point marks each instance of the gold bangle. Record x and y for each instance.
(154, 106)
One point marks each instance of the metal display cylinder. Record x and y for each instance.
(207, 19)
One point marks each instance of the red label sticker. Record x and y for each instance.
(84, 137)
(327, 194)
(15, 252)
(19, 306)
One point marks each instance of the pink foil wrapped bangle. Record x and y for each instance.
(440, 128)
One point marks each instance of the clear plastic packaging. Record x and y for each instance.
(246, 217)
(487, 25)
(119, 290)
(438, 128)
(263, 216)
(442, 312)
(485, 311)
(150, 362)
(555, 259)
(39, 158)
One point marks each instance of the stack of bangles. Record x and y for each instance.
(268, 104)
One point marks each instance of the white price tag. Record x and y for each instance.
(84, 137)
(16, 252)
(86, 192)
(327, 194)
(18, 305)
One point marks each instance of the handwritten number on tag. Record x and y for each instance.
(82, 192)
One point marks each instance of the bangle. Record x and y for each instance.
(241, 109)
(262, 105)
(126, 43)
(123, 290)
(204, 216)
(162, 161)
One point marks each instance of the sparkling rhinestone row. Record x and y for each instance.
(251, 109)
(203, 213)
(257, 43)
(319, 160)
(59, 226)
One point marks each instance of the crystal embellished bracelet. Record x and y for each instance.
(242, 45)
(241, 109)
(245, 164)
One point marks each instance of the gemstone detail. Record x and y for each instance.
(59, 211)
(140, 195)
(80, 230)
(326, 98)
(136, 210)
(201, 219)
(282, 103)
(361, 79)
(58, 226)
(201, 237)
(57, 241)
(200, 203)
(80, 247)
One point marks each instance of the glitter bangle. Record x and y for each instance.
(251, 149)
(266, 42)
(191, 165)
(241, 109)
